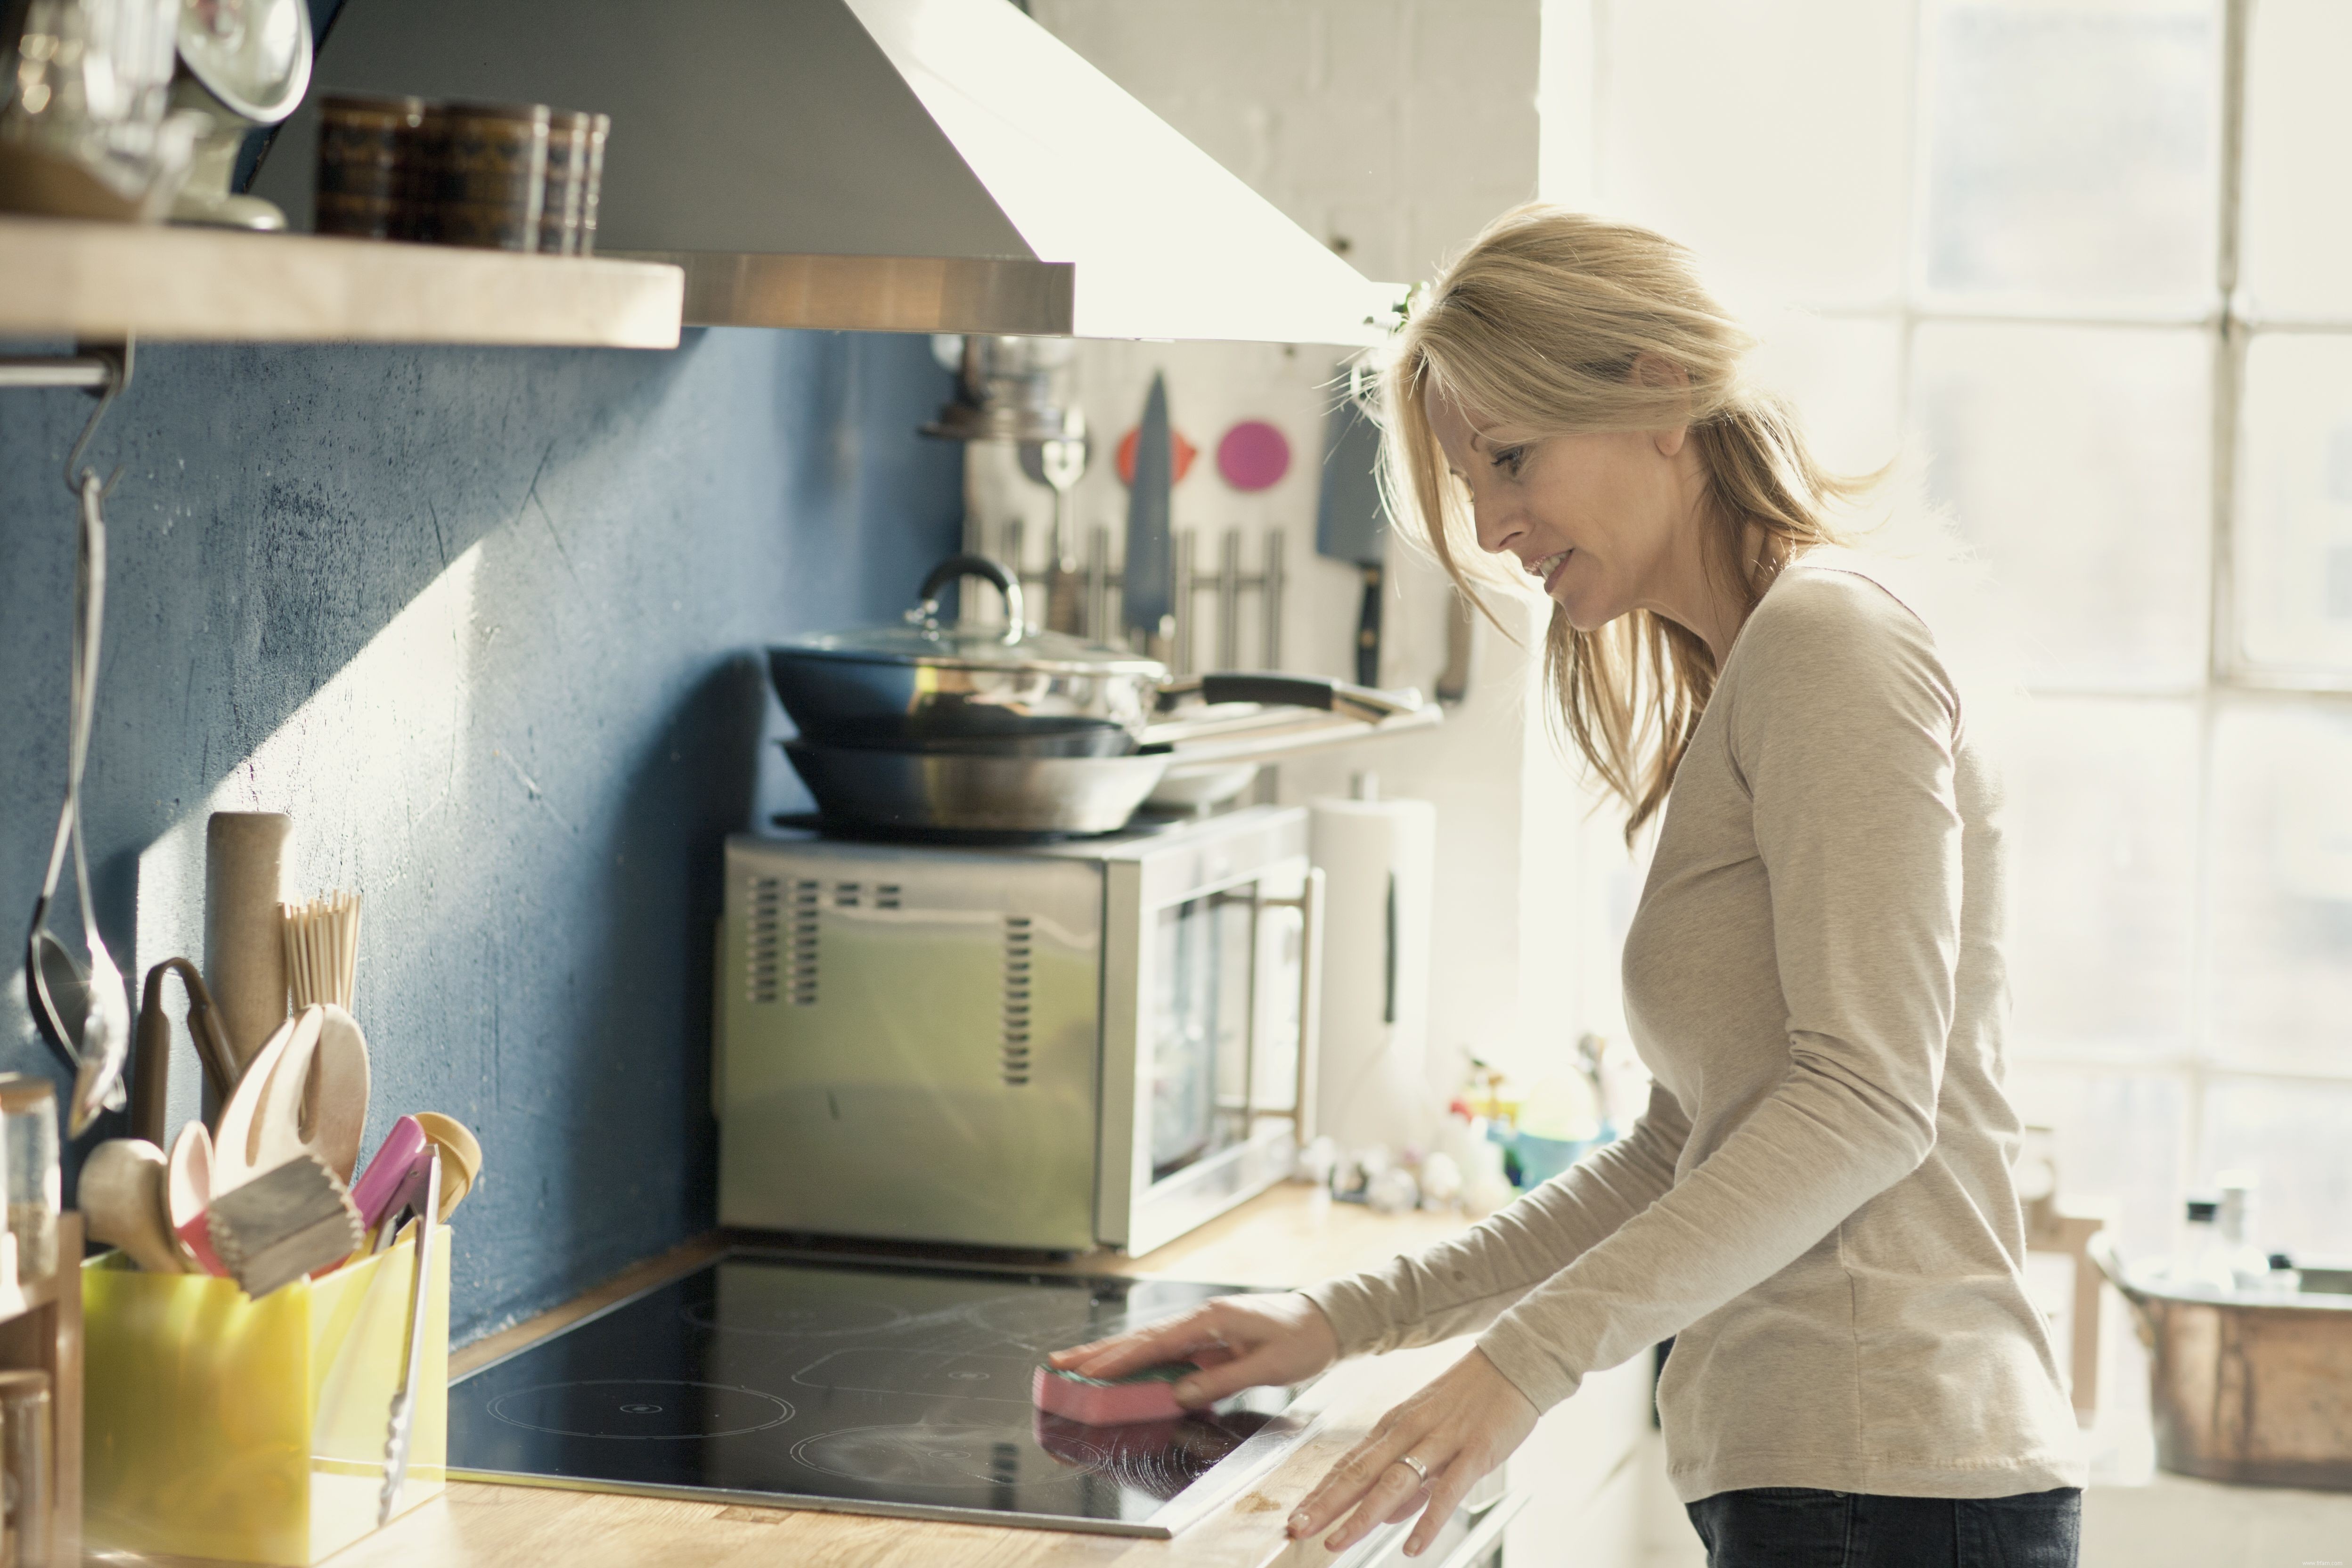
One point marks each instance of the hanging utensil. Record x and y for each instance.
(106, 1024)
(1059, 465)
(1351, 521)
(1147, 591)
(81, 1011)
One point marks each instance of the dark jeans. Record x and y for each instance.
(1795, 1527)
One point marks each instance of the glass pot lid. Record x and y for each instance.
(922, 638)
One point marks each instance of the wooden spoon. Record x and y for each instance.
(461, 1156)
(188, 1188)
(123, 1200)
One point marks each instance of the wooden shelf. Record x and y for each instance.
(101, 280)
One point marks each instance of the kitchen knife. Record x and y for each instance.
(1352, 522)
(1147, 591)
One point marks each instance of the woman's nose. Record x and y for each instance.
(1496, 526)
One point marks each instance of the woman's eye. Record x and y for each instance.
(1510, 459)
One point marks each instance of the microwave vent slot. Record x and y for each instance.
(801, 961)
(1013, 1054)
(845, 895)
(763, 937)
(885, 895)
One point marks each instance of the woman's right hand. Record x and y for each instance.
(1238, 1341)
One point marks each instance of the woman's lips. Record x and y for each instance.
(1552, 566)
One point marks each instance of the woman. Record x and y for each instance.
(1817, 1203)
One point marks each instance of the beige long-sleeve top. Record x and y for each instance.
(1818, 1202)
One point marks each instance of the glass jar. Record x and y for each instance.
(28, 1106)
(27, 1464)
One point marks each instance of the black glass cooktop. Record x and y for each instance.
(869, 1387)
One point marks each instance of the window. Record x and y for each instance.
(2088, 259)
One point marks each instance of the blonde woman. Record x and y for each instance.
(1817, 1203)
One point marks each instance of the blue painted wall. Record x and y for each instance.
(536, 956)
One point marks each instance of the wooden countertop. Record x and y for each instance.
(1291, 1235)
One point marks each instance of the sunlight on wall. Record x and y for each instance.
(365, 767)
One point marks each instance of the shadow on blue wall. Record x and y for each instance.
(483, 619)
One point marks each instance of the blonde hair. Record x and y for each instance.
(1541, 327)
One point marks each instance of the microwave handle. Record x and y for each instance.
(1309, 905)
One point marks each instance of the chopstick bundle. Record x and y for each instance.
(322, 949)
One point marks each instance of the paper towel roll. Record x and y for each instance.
(245, 952)
(1379, 859)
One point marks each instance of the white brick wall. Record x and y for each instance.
(1397, 126)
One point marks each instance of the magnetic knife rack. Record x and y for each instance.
(1228, 582)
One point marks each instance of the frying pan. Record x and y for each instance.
(1010, 690)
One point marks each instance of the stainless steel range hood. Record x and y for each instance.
(902, 165)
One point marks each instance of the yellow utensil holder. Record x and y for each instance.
(217, 1425)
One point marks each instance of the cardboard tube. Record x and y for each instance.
(245, 949)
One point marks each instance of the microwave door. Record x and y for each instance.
(1219, 975)
(1201, 1022)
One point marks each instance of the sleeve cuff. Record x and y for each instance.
(1530, 1366)
(1354, 1312)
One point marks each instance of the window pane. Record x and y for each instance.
(2293, 555)
(2076, 459)
(2071, 151)
(2292, 1134)
(1844, 374)
(2298, 250)
(1817, 95)
(2281, 967)
(2102, 856)
(2119, 1135)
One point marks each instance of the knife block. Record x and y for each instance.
(219, 1425)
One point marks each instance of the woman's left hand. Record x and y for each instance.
(1464, 1424)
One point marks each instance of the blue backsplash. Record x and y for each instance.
(482, 619)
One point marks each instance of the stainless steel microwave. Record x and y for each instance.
(1091, 1043)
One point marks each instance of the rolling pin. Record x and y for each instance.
(245, 952)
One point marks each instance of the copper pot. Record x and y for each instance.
(2254, 1390)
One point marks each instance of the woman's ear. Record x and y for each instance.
(1654, 372)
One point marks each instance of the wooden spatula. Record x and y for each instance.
(305, 1092)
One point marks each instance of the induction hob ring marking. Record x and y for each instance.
(512, 1408)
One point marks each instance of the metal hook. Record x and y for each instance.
(119, 361)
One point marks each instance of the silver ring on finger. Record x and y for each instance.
(1419, 1470)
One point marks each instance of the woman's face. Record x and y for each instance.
(1603, 522)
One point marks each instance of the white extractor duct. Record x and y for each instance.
(905, 165)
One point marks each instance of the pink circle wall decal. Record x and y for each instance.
(1253, 456)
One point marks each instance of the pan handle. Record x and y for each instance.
(974, 565)
(1361, 702)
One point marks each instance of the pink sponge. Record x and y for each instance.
(1146, 1396)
